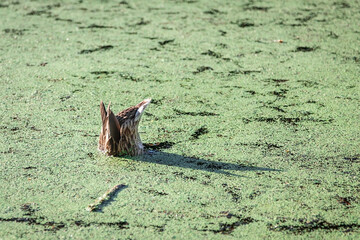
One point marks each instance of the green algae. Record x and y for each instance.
(252, 136)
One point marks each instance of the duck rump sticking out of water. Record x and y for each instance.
(119, 133)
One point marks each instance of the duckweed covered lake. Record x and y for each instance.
(253, 128)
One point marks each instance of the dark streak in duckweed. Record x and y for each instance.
(181, 174)
(101, 48)
(306, 18)
(201, 131)
(55, 226)
(212, 54)
(305, 49)
(236, 72)
(180, 112)
(128, 76)
(213, 11)
(202, 69)
(341, 4)
(12, 31)
(66, 20)
(243, 23)
(280, 93)
(154, 192)
(35, 221)
(102, 72)
(28, 208)
(251, 92)
(159, 145)
(277, 108)
(313, 225)
(352, 159)
(141, 22)
(29, 167)
(98, 26)
(228, 228)
(163, 43)
(256, 8)
(38, 13)
(277, 81)
(307, 83)
(119, 224)
(233, 191)
(287, 120)
(261, 144)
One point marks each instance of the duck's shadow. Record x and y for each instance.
(175, 160)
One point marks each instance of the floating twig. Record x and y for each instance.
(98, 202)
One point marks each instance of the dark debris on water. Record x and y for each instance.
(201, 131)
(101, 48)
(159, 145)
(313, 225)
(203, 113)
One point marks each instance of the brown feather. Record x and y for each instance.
(114, 127)
(102, 112)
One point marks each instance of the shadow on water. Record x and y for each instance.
(175, 160)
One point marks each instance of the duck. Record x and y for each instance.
(119, 133)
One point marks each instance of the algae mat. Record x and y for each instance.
(253, 130)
